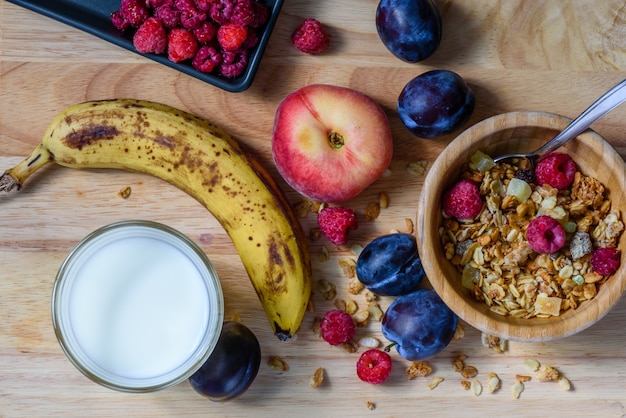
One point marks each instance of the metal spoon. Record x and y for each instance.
(607, 102)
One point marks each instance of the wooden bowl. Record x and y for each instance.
(517, 132)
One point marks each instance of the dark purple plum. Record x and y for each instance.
(410, 29)
(435, 103)
(389, 265)
(419, 324)
(232, 366)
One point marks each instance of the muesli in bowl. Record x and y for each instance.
(521, 253)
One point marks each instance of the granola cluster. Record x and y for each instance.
(497, 264)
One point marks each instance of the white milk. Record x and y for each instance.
(137, 307)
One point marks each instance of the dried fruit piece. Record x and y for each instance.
(545, 304)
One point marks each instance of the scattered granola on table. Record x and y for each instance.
(543, 270)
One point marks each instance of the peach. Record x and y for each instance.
(329, 143)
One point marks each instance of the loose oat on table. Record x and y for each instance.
(315, 234)
(417, 168)
(277, 363)
(375, 311)
(476, 387)
(370, 405)
(469, 371)
(564, 383)
(466, 384)
(369, 342)
(410, 228)
(327, 289)
(348, 267)
(522, 378)
(372, 211)
(435, 382)
(548, 373)
(532, 364)
(458, 364)
(383, 200)
(418, 369)
(361, 318)
(517, 389)
(493, 382)
(124, 192)
(318, 378)
(350, 347)
(324, 254)
(499, 345)
(497, 265)
(459, 332)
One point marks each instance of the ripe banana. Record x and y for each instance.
(205, 162)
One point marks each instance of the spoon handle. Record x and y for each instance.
(607, 102)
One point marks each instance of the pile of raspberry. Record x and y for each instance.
(215, 36)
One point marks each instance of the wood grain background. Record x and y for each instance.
(555, 56)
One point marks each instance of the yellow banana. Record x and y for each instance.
(204, 161)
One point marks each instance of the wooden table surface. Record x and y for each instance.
(554, 56)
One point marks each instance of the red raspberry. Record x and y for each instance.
(134, 11)
(335, 222)
(234, 63)
(374, 366)
(181, 45)
(231, 36)
(243, 13)
(158, 3)
(260, 15)
(190, 16)
(310, 37)
(204, 5)
(605, 261)
(119, 21)
(545, 235)
(168, 14)
(222, 10)
(463, 200)
(207, 59)
(337, 327)
(205, 33)
(556, 169)
(150, 37)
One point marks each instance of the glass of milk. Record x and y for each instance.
(137, 306)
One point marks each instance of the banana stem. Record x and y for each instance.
(13, 178)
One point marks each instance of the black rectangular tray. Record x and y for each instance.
(94, 17)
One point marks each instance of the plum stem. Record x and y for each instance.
(388, 347)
